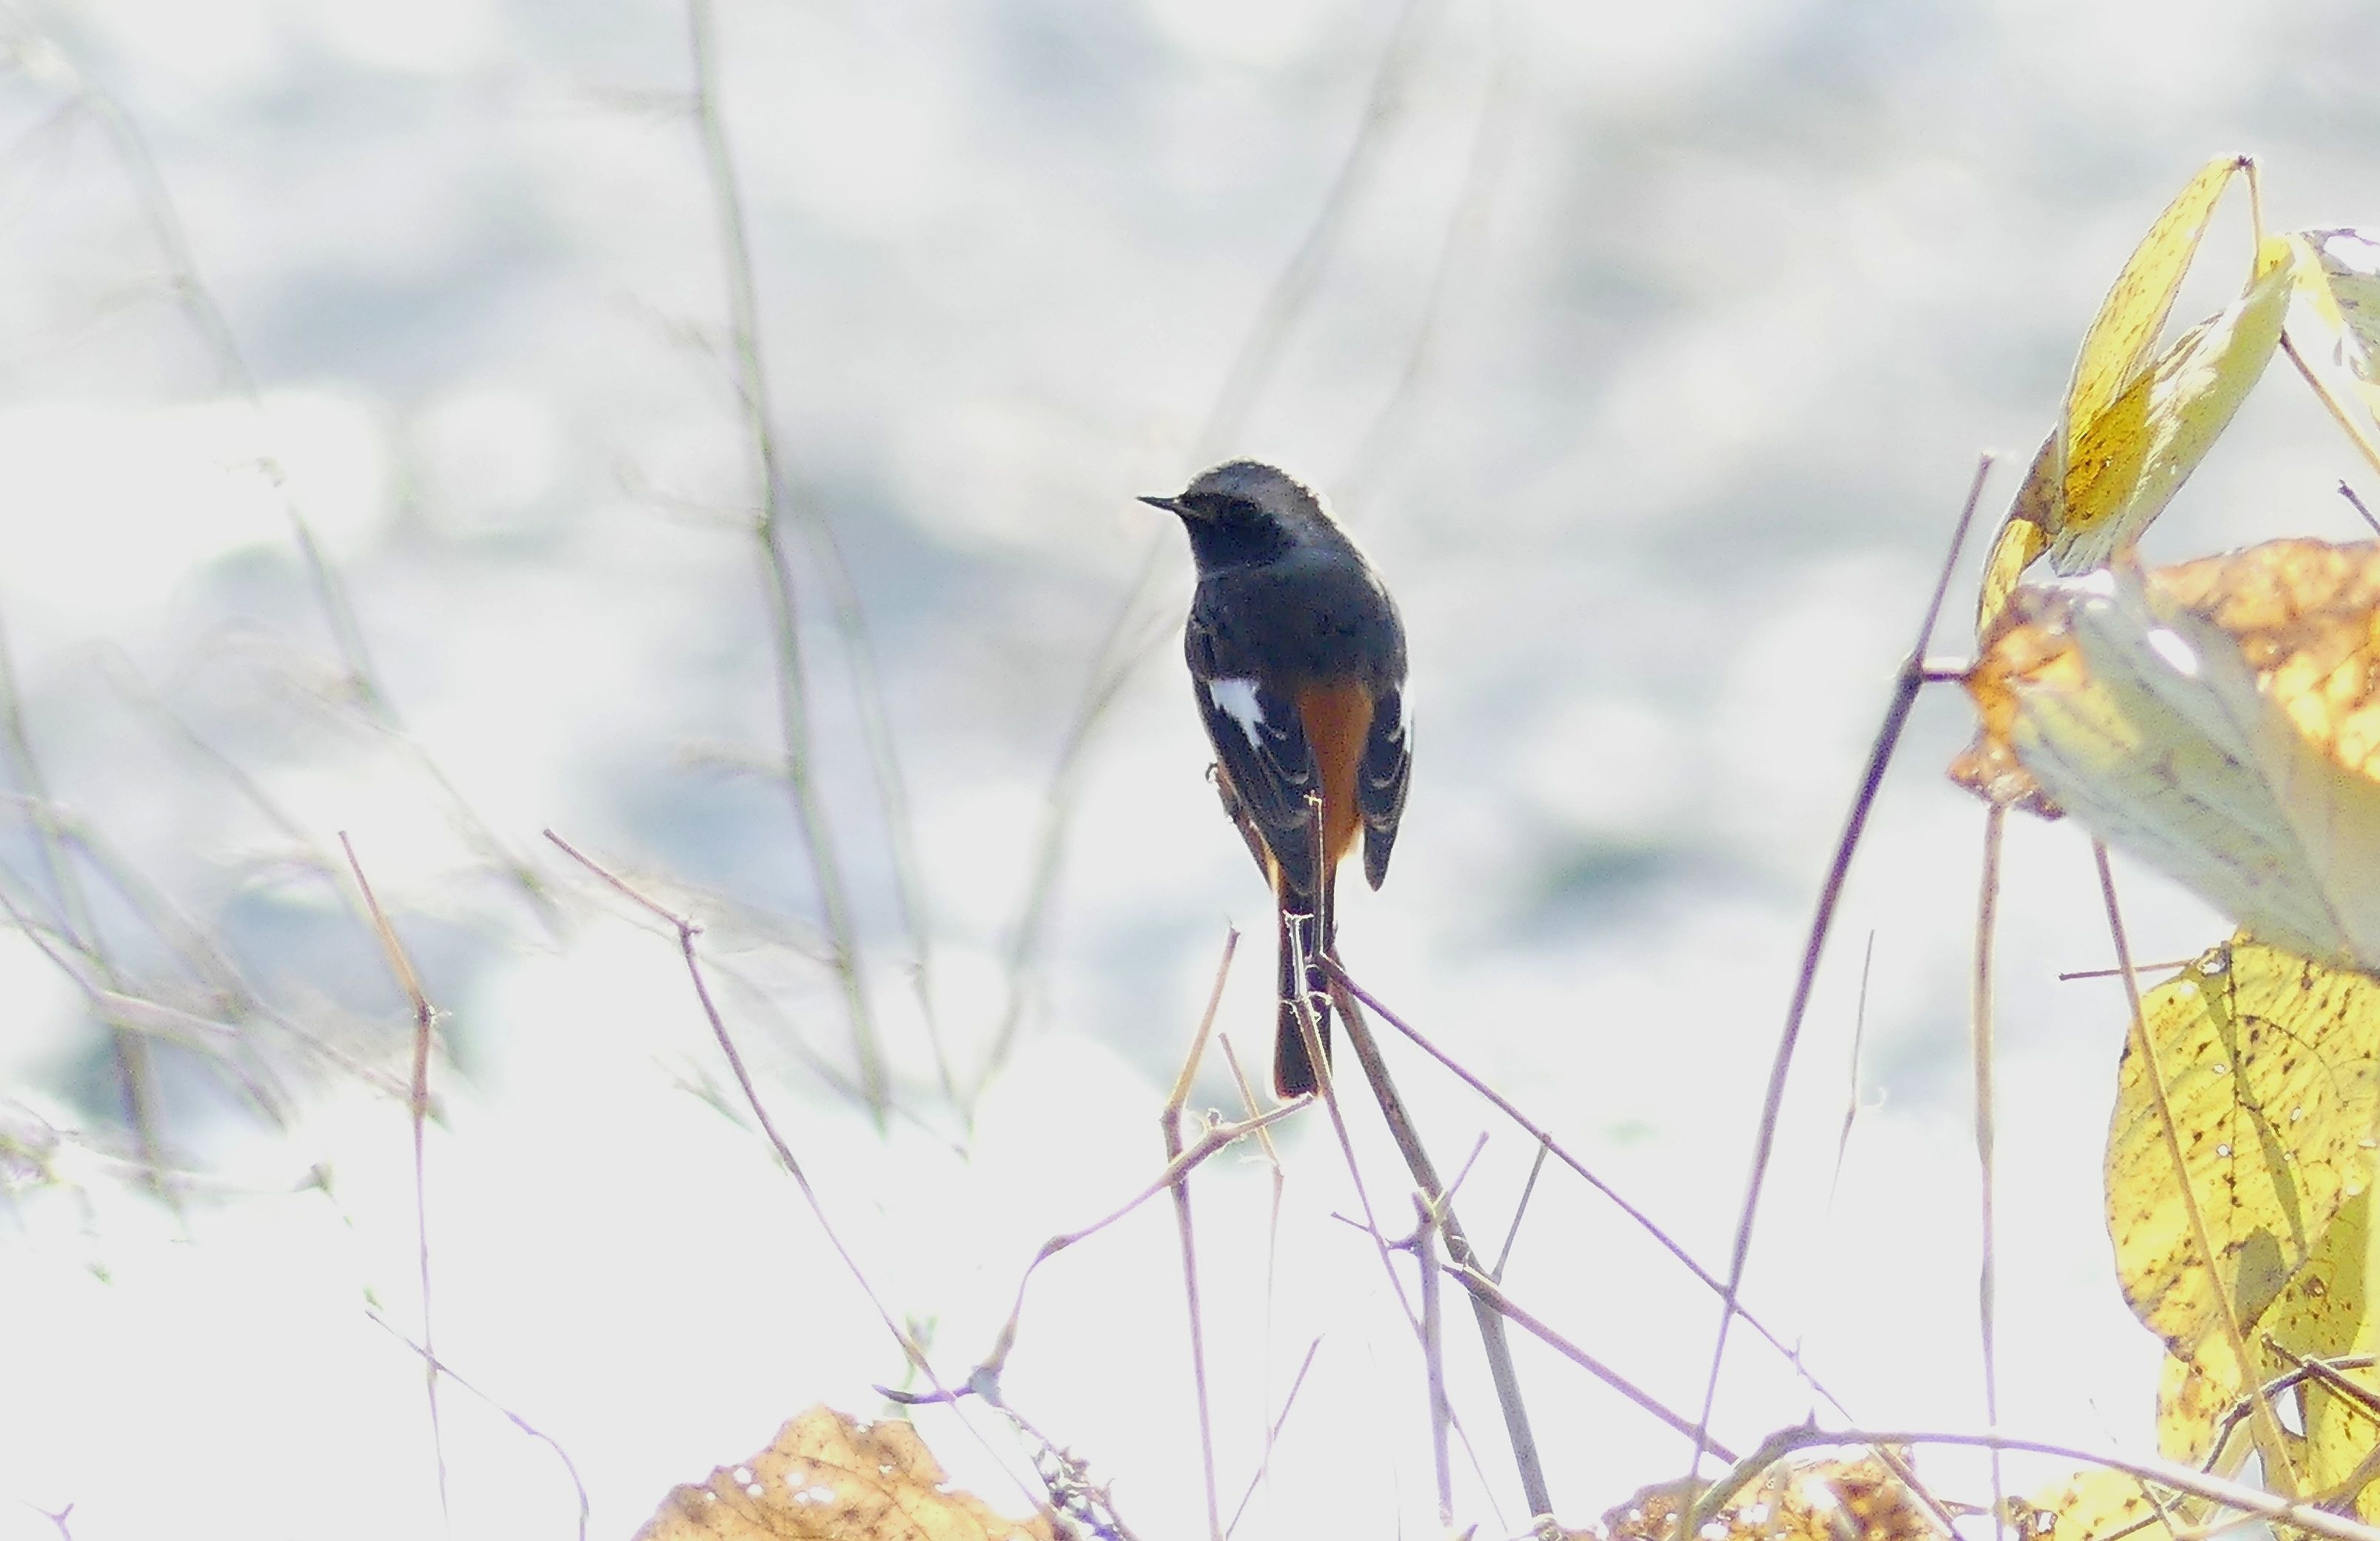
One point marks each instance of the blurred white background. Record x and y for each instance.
(1647, 348)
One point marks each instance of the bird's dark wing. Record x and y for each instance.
(1266, 766)
(1380, 781)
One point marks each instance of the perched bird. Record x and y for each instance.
(1297, 660)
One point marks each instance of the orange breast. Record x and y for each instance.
(1338, 719)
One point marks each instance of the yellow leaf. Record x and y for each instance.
(2094, 1504)
(2325, 1315)
(2135, 458)
(2125, 462)
(2024, 535)
(2219, 720)
(827, 1478)
(2334, 328)
(2136, 308)
(2198, 1404)
(2272, 1069)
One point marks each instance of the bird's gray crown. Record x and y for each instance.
(1267, 487)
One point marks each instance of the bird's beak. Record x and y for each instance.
(1171, 504)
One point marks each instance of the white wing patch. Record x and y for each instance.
(1236, 699)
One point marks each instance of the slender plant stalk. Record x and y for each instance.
(1466, 224)
(792, 687)
(1433, 1340)
(909, 895)
(1548, 1144)
(1888, 738)
(1987, 1274)
(1170, 1125)
(569, 1467)
(687, 931)
(127, 1052)
(163, 219)
(1492, 1337)
(425, 1022)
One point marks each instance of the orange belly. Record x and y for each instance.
(1338, 719)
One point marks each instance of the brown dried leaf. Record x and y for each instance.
(828, 1478)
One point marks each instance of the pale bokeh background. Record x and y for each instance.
(1649, 357)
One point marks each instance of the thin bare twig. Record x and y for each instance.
(687, 931)
(569, 1467)
(1466, 224)
(1548, 1142)
(164, 219)
(1169, 1123)
(1489, 1296)
(1272, 1436)
(1327, 1088)
(1830, 892)
(425, 1020)
(1851, 1103)
(1987, 1273)
(2071, 975)
(2349, 493)
(1272, 1262)
(1217, 1138)
(909, 896)
(1433, 1341)
(792, 687)
(1268, 334)
(1493, 1340)
(1520, 1212)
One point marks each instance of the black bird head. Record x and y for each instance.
(1245, 511)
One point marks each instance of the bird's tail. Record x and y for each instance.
(1307, 932)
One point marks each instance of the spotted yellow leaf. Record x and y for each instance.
(2094, 1504)
(2322, 1329)
(2198, 1408)
(2219, 720)
(2145, 438)
(2272, 1075)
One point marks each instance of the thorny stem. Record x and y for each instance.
(1547, 1142)
(1493, 1339)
